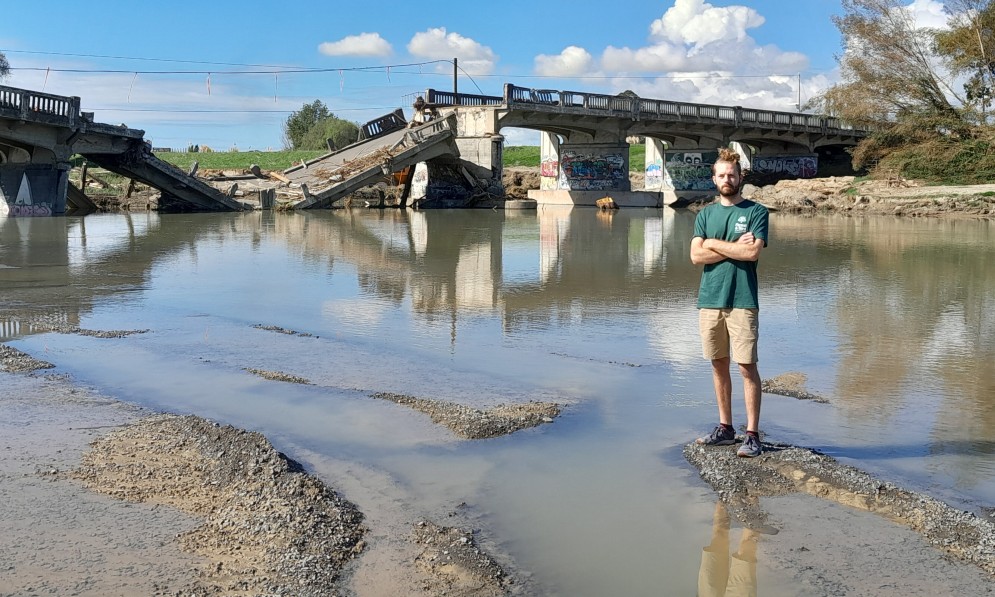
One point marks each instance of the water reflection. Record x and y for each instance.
(893, 319)
(722, 573)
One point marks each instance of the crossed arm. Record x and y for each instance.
(712, 250)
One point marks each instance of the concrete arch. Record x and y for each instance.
(764, 145)
(566, 134)
(14, 154)
(677, 142)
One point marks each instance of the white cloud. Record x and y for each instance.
(698, 23)
(437, 44)
(656, 58)
(572, 61)
(698, 52)
(516, 136)
(364, 44)
(928, 13)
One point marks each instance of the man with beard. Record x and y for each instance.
(728, 237)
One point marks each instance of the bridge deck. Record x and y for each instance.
(333, 176)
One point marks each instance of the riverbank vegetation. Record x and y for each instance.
(927, 93)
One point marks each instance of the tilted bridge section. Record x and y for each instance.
(40, 132)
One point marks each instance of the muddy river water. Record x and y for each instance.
(892, 321)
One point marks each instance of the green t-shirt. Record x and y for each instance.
(730, 283)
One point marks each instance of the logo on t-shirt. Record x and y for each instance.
(741, 225)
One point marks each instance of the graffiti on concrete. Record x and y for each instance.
(654, 176)
(800, 166)
(24, 204)
(689, 170)
(549, 168)
(592, 172)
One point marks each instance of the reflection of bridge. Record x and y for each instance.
(40, 132)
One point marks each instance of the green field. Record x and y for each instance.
(520, 155)
(236, 160)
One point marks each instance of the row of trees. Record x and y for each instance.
(315, 127)
(927, 93)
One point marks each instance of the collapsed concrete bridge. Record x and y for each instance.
(455, 155)
(39, 134)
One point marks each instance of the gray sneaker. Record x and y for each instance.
(720, 436)
(751, 447)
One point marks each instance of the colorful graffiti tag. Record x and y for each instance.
(549, 168)
(595, 172)
(800, 166)
(24, 204)
(689, 170)
(654, 176)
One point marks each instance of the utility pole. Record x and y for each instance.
(799, 92)
(455, 86)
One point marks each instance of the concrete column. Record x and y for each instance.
(549, 160)
(654, 165)
(745, 154)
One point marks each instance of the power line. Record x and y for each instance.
(278, 69)
(137, 58)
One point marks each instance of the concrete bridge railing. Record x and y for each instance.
(642, 109)
(39, 107)
(637, 108)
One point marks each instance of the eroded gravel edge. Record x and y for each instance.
(784, 468)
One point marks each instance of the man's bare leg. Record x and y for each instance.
(723, 389)
(751, 393)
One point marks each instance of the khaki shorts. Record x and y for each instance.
(722, 328)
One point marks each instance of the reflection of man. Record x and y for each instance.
(728, 237)
(720, 575)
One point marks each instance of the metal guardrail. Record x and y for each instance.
(448, 98)
(383, 125)
(27, 105)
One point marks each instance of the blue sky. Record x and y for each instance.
(221, 74)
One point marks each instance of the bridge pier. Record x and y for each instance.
(580, 173)
(773, 162)
(451, 181)
(33, 189)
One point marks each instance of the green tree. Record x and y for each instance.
(907, 84)
(4, 67)
(340, 132)
(968, 48)
(312, 125)
(300, 122)
(888, 67)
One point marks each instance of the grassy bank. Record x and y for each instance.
(520, 155)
